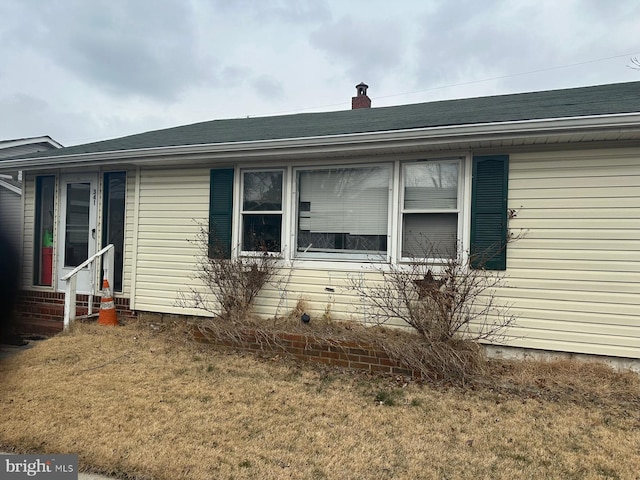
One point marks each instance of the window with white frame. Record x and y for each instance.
(430, 208)
(261, 211)
(343, 210)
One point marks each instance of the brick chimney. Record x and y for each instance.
(361, 100)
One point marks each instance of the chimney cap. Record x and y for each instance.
(362, 88)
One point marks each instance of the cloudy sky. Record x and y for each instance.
(87, 70)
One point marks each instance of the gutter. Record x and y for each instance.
(336, 143)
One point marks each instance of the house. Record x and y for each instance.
(330, 192)
(11, 184)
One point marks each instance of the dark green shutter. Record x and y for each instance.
(489, 222)
(220, 212)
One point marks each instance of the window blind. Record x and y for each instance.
(429, 234)
(353, 201)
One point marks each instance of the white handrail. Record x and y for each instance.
(70, 280)
(87, 262)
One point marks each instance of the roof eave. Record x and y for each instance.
(10, 187)
(336, 143)
(19, 142)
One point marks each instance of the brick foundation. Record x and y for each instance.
(43, 312)
(359, 356)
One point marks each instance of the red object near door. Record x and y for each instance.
(47, 266)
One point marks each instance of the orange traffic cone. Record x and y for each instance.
(107, 314)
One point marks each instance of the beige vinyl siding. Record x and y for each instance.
(11, 216)
(172, 202)
(575, 276)
(311, 285)
(128, 233)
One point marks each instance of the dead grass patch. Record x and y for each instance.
(150, 404)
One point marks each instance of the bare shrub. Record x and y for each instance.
(231, 284)
(450, 305)
(455, 361)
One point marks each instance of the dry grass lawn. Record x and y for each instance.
(152, 405)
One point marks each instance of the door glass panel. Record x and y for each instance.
(76, 245)
(43, 234)
(114, 225)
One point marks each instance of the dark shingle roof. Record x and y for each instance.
(575, 102)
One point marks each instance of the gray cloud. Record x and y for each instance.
(289, 11)
(142, 48)
(159, 49)
(464, 39)
(234, 75)
(268, 87)
(599, 10)
(364, 47)
(468, 40)
(28, 116)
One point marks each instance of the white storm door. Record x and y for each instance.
(78, 236)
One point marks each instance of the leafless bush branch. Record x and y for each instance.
(441, 299)
(231, 284)
(449, 304)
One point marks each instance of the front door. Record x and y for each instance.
(78, 208)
